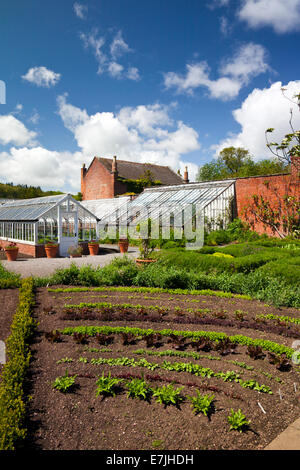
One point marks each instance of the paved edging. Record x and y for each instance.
(288, 439)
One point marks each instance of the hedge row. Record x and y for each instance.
(12, 405)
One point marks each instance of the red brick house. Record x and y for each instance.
(107, 178)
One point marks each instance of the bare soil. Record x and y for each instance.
(79, 420)
(9, 301)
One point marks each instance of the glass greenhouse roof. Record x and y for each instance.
(104, 207)
(42, 207)
(169, 199)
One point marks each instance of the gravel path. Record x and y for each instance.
(42, 267)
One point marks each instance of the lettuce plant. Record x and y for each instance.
(202, 403)
(168, 395)
(64, 383)
(107, 385)
(238, 421)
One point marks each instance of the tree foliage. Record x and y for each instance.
(235, 162)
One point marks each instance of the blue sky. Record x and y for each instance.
(170, 82)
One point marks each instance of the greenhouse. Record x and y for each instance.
(32, 223)
(166, 204)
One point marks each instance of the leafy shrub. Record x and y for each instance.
(217, 237)
(12, 405)
(289, 270)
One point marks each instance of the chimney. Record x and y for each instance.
(186, 175)
(114, 167)
(295, 168)
(83, 173)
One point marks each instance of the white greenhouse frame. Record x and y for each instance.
(36, 221)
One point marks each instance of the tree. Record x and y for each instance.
(235, 158)
(237, 162)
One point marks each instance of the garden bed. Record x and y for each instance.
(9, 301)
(78, 419)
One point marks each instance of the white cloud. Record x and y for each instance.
(142, 134)
(115, 69)
(80, 10)
(225, 27)
(41, 76)
(106, 57)
(41, 167)
(261, 110)
(118, 47)
(71, 115)
(96, 44)
(248, 61)
(13, 131)
(282, 15)
(35, 117)
(133, 74)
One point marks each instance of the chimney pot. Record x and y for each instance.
(186, 175)
(114, 165)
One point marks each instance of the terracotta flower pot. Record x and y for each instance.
(51, 251)
(93, 248)
(12, 254)
(123, 245)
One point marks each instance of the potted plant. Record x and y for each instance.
(146, 247)
(123, 245)
(93, 247)
(11, 251)
(51, 249)
(75, 251)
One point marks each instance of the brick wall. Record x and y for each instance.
(97, 182)
(277, 186)
(37, 251)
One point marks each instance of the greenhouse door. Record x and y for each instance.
(69, 232)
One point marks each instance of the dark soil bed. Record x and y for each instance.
(9, 301)
(79, 420)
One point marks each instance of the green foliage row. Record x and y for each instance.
(190, 367)
(151, 290)
(194, 335)
(12, 404)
